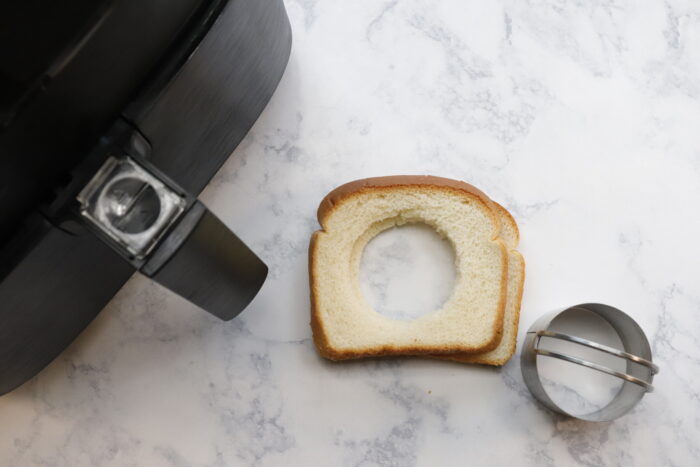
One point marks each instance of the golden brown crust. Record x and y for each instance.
(385, 351)
(346, 191)
(343, 192)
(511, 220)
(319, 334)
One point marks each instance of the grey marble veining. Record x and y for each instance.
(579, 117)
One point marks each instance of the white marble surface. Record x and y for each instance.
(580, 117)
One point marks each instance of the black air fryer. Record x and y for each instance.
(114, 115)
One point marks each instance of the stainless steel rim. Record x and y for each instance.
(637, 378)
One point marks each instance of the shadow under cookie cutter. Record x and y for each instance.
(637, 377)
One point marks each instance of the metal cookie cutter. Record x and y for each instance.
(637, 377)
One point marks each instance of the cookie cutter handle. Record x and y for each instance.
(594, 366)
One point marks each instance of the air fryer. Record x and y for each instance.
(114, 115)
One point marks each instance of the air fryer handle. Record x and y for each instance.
(206, 263)
(170, 236)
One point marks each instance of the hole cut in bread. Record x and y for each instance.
(470, 322)
(407, 271)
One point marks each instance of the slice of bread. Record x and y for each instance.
(516, 277)
(345, 326)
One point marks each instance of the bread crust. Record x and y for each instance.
(511, 220)
(341, 193)
(344, 192)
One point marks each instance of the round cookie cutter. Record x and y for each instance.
(637, 378)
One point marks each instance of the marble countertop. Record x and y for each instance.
(580, 118)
